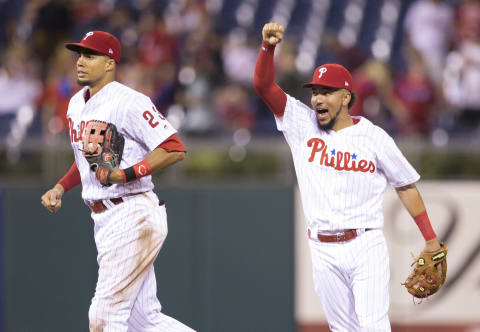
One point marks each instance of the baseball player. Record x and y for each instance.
(130, 223)
(343, 164)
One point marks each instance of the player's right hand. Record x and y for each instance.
(52, 199)
(272, 33)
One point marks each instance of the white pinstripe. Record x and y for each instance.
(342, 176)
(334, 199)
(351, 280)
(128, 238)
(146, 315)
(129, 235)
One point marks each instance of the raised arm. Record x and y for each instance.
(264, 76)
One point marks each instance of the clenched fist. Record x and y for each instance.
(272, 33)
(52, 199)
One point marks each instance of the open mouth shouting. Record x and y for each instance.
(322, 114)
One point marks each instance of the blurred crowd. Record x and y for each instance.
(436, 93)
(200, 74)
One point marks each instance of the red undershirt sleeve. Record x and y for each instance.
(173, 143)
(263, 81)
(71, 179)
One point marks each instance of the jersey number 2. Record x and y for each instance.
(147, 115)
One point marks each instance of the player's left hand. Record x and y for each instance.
(432, 245)
(103, 149)
(429, 272)
(116, 176)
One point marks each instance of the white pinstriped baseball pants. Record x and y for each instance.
(352, 280)
(128, 238)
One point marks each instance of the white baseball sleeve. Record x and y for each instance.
(144, 124)
(294, 122)
(398, 171)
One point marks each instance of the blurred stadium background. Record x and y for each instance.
(236, 259)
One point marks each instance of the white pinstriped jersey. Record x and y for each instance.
(136, 119)
(342, 175)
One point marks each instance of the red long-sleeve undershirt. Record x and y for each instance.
(264, 81)
(72, 178)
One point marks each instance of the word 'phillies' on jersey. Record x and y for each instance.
(342, 174)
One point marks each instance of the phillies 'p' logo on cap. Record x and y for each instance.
(99, 41)
(322, 70)
(88, 34)
(331, 75)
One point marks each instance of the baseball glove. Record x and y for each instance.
(103, 149)
(429, 273)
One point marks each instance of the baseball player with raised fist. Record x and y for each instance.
(343, 164)
(119, 139)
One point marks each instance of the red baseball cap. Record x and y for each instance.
(99, 41)
(331, 75)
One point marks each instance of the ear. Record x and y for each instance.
(347, 96)
(110, 64)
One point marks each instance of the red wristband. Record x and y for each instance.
(142, 169)
(423, 223)
(136, 171)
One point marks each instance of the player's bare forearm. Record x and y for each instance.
(160, 159)
(413, 202)
(411, 199)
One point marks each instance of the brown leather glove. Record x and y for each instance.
(429, 273)
(103, 149)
